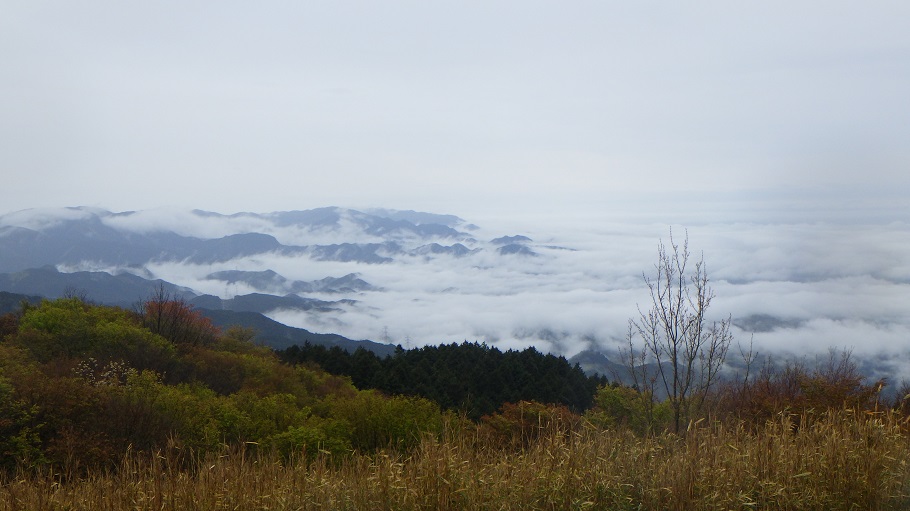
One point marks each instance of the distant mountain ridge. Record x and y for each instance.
(123, 289)
(233, 263)
(268, 332)
(74, 236)
(126, 290)
(268, 279)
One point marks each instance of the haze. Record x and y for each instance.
(799, 288)
(488, 107)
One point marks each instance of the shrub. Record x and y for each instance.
(793, 388)
(378, 421)
(625, 407)
(145, 413)
(71, 328)
(246, 417)
(521, 424)
(176, 320)
(316, 437)
(19, 441)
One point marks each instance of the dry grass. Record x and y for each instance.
(840, 461)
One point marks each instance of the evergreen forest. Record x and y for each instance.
(471, 378)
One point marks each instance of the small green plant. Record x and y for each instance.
(624, 407)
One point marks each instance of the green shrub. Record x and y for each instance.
(625, 407)
(316, 437)
(145, 413)
(247, 417)
(70, 328)
(378, 421)
(19, 440)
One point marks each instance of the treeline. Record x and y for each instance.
(81, 384)
(472, 378)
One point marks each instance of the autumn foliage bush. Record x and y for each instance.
(176, 320)
(82, 384)
(519, 425)
(796, 389)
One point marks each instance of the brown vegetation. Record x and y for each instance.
(98, 411)
(845, 460)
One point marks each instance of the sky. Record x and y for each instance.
(515, 109)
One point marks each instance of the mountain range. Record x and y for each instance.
(411, 278)
(116, 258)
(79, 236)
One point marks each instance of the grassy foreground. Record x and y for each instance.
(842, 460)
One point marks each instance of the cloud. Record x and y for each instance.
(813, 285)
(186, 222)
(838, 289)
(43, 218)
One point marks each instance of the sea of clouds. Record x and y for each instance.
(791, 287)
(794, 284)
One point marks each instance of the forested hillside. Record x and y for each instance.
(471, 377)
(82, 384)
(103, 407)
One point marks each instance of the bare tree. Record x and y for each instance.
(77, 293)
(686, 349)
(636, 361)
(175, 319)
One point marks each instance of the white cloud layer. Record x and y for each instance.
(829, 285)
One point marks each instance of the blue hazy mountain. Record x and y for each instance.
(233, 263)
(269, 280)
(268, 331)
(126, 290)
(70, 236)
(123, 289)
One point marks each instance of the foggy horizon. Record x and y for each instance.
(497, 108)
(801, 288)
(777, 134)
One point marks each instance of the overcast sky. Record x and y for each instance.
(453, 107)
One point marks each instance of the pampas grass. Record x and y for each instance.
(841, 460)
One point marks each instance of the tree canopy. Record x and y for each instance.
(471, 377)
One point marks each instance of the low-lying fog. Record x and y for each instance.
(799, 287)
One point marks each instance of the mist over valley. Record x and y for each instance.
(564, 286)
